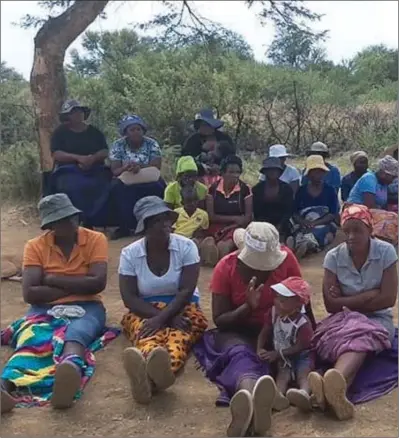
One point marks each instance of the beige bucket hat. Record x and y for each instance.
(259, 246)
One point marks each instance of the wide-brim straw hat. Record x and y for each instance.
(54, 208)
(150, 206)
(259, 246)
(315, 162)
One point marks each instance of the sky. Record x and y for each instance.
(353, 25)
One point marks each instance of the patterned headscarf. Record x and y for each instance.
(357, 211)
(389, 165)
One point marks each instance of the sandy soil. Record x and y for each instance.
(188, 409)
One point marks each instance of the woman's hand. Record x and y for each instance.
(241, 221)
(150, 327)
(85, 162)
(262, 354)
(180, 322)
(253, 294)
(334, 291)
(132, 167)
(269, 356)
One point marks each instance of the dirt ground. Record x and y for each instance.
(187, 409)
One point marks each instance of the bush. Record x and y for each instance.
(20, 177)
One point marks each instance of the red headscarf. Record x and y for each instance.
(359, 212)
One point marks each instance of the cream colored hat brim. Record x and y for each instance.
(259, 261)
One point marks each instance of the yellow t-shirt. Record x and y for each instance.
(173, 196)
(187, 225)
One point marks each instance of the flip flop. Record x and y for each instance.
(316, 385)
(335, 391)
(264, 395)
(280, 402)
(159, 369)
(66, 384)
(135, 366)
(241, 408)
(300, 399)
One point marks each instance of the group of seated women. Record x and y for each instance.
(306, 215)
(106, 185)
(266, 337)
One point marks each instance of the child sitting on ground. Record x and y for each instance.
(192, 221)
(291, 332)
(186, 175)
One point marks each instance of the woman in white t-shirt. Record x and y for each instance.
(290, 173)
(158, 277)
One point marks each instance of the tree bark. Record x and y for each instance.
(47, 80)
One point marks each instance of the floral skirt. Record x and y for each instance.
(178, 343)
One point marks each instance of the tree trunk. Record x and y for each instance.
(47, 80)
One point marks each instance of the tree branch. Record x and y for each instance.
(69, 24)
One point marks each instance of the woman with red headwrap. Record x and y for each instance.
(359, 289)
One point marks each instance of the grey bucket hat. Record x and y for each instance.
(72, 104)
(54, 208)
(271, 163)
(148, 207)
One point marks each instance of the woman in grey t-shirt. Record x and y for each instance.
(359, 289)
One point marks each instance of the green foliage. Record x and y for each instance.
(20, 173)
(349, 106)
(297, 48)
(16, 114)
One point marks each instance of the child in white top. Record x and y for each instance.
(291, 333)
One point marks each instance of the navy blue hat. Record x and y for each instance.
(207, 116)
(72, 104)
(131, 120)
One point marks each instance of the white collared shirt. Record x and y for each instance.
(133, 262)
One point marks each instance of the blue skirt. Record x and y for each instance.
(88, 190)
(124, 198)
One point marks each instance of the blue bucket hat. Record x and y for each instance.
(207, 116)
(129, 121)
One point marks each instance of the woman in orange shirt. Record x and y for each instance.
(65, 269)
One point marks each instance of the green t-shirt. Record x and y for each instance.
(173, 196)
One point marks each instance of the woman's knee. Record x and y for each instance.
(89, 327)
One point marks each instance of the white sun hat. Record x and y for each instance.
(279, 151)
(259, 246)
